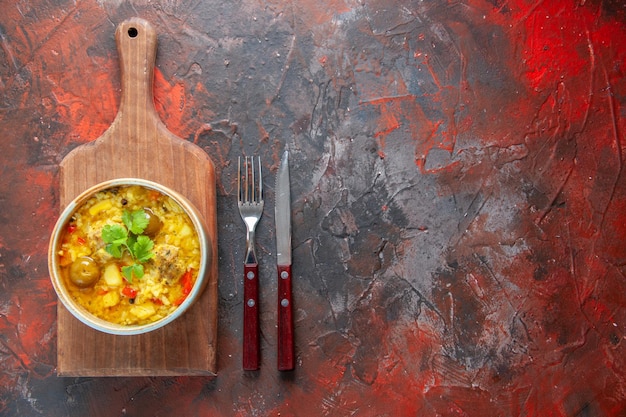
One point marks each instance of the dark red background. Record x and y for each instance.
(458, 187)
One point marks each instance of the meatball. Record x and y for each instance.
(167, 263)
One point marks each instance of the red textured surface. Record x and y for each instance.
(458, 187)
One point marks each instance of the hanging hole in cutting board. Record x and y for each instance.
(133, 32)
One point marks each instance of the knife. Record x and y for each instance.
(282, 209)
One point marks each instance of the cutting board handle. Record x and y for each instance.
(136, 44)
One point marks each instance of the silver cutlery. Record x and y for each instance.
(282, 208)
(250, 202)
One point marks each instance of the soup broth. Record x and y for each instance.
(139, 279)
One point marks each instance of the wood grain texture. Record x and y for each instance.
(251, 347)
(137, 144)
(285, 339)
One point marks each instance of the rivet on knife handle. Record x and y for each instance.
(282, 217)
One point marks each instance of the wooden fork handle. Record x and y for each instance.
(251, 351)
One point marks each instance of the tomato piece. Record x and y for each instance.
(187, 281)
(129, 291)
(81, 240)
(71, 228)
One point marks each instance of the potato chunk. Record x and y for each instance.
(143, 311)
(112, 275)
(110, 299)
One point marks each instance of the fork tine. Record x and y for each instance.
(245, 178)
(253, 182)
(249, 183)
(249, 180)
(260, 181)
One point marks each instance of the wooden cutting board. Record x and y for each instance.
(137, 144)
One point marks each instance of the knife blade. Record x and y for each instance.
(282, 210)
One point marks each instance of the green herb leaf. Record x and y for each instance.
(114, 234)
(142, 248)
(136, 222)
(127, 219)
(128, 237)
(130, 243)
(132, 270)
(114, 250)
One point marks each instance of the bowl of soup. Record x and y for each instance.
(128, 256)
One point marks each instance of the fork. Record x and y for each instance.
(250, 202)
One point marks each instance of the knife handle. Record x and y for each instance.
(251, 317)
(285, 320)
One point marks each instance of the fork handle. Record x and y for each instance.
(285, 320)
(251, 317)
